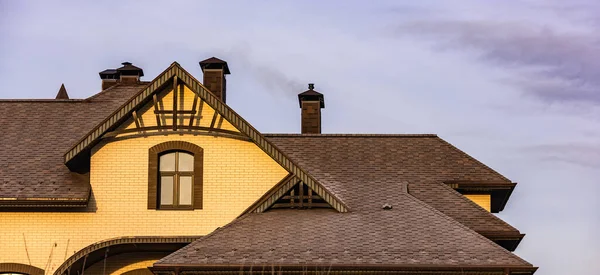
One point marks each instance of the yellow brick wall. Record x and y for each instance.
(236, 174)
(484, 200)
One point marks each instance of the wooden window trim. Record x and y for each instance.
(154, 173)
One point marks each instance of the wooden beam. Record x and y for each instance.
(220, 124)
(185, 112)
(212, 123)
(193, 110)
(175, 103)
(156, 109)
(135, 118)
(301, 194)
(163, 128)
(201, 105)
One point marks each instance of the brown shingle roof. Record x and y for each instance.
(351, 165)
(366, 171)
(412, 233)
(35, 135)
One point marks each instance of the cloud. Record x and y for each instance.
(580, 154)
(550, 65)
(270, 76)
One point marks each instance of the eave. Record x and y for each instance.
(500, 191)
(423, 269)
(508, 240)
(15, 203)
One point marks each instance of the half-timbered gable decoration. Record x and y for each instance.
(291, 193)
(176, 119)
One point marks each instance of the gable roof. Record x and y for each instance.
(175, 73)
(410, 236)
(348, 164)
(35, 134)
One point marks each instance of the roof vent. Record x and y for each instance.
(387, 206)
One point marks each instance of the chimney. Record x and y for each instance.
(129, 73)
(214, 70)
(126, 74)
(311, 103)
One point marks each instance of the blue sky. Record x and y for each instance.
(513, 83)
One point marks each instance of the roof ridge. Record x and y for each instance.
(473, 159)
(467, 229)
(348, 135)
(454, 192)
(119, 84)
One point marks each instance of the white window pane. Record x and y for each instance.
(185, 190)
(167, 162)
(186, 162)
(166, 190)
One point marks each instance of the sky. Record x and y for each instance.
(515, 84)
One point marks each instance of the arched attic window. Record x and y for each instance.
(175, 176)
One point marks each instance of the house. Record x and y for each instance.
(165, 177)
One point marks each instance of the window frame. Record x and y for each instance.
(154, 174)
(176, 180)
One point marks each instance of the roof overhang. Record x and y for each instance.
(15, 204)
(160, 269)
(508, 240)
(500, 191)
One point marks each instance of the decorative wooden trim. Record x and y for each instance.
(180, 132)
(64, 268)
(20, 268)
(219, 106)
(162, 129)
(175, 103)
(153, 173)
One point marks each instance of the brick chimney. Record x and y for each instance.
(214, 70)
(126, 74)
(311, 103)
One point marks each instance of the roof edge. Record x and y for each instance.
(350, 135)
(156, 268)
(468, 229)
(473, 159)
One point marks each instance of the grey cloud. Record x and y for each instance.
(274, 80)
(552, 66)
(581, 154)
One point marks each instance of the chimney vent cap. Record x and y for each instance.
(311, 95)
(214, 63)
(129, 69)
